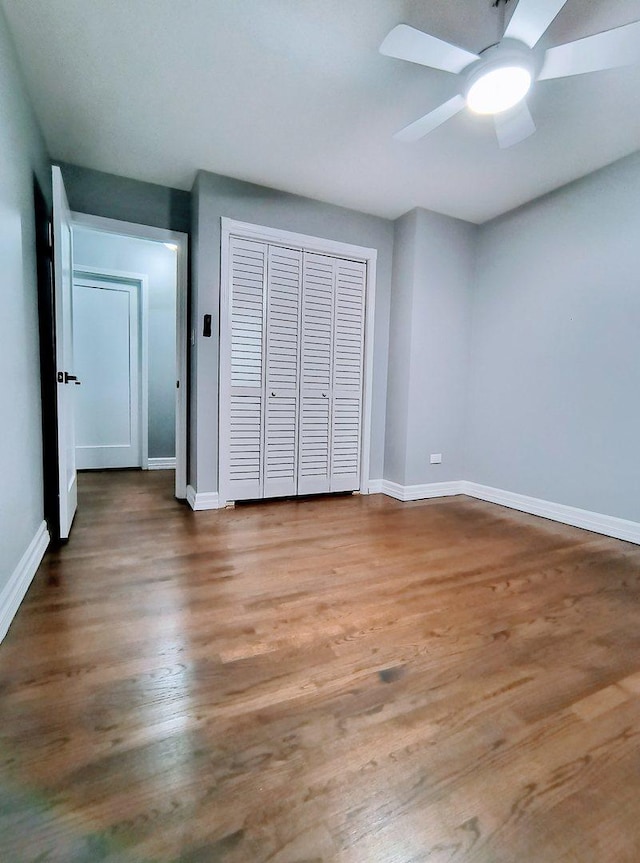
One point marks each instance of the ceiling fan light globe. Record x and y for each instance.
(498, 89)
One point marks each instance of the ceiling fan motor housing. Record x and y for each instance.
(509, 53)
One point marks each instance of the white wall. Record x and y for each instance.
(428, 348)
(554, 410)
(22, 152)
(158, 263)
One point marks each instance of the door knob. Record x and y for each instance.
(324, 395)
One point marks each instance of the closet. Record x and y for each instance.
(292, 371)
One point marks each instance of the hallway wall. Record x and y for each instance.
(24, 161)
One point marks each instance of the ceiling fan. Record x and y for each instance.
(496, 81)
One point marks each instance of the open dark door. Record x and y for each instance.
(48, 386)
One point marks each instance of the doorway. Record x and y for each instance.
(111, 360)
(65, 243)
(130, 281)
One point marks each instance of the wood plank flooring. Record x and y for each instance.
(346, 679)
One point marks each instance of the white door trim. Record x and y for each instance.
(141, 281)
(260, 233)
(181, 240)
(293, 240)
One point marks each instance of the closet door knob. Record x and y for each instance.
(324, 395)
(273, 394)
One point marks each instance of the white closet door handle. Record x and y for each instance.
(273, 394)
(324, 395)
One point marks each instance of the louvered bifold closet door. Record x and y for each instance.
(284, 282)
(347, 375)
(248, 264)
(314, 459)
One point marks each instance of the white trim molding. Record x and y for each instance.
(231, 228)
(421, 492)
(161, 463)
(15, 589)
(265, 234)
(203, 500)
(608, 525)
(620, 528)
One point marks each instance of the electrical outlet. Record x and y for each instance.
(436, 458)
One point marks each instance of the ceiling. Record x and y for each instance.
(294, 94)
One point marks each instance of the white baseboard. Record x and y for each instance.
(609, 525)
(161, 464)
(203, 500)
(21, 577)
(420, 492)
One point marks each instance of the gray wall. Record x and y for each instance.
(428, 347)
(399, 363)
(215, 196)
(115, 197)
(22, 152)
(129, 254)
(440, 331)
(554, 410)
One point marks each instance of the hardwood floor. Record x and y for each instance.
(345, 679)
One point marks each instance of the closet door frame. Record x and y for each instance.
(292, 240)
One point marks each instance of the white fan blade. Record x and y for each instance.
(514, 125)
(431, 121)
(531, 18)
(407, 43)
(608, 50)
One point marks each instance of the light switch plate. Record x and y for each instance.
(436, 458)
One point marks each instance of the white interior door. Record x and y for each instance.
(241, 452)
(292, 371)
(314, 462)
(106, 335)
(347, 374)
(284, 283)
(66, 378)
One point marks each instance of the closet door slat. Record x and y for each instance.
(347, 375)
(316, 354)
(244, 459)
(282, 385)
